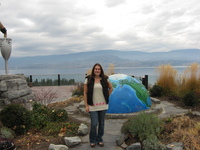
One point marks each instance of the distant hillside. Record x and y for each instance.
(106, 57)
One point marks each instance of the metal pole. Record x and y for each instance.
(6, 67)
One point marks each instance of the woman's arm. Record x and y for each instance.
(85, 98)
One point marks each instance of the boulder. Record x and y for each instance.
(83, 129)
(14, 89)
(135, 146)
(175, 146)
(72, 141)
(58, 147)
(121, 138)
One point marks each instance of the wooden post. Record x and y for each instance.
(31, 79)
(58, 79)
(30, 83)
(145, 81)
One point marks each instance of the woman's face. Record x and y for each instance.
(97, 70)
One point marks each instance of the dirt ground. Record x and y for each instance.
(36, 141)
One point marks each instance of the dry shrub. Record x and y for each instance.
(78, 89)
(45, 96)
(76, 99)
(59, 105)
(167, 78)
(183, 129)
(191, 78)
(190, 138)
(111, 69)
(183, 122)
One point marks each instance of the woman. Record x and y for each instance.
(97, 89)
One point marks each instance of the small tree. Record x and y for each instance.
(45, 96)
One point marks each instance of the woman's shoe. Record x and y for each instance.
(92, 145)
(101, 144)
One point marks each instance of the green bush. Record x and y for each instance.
(143, 125)
(16, 117)
(156, 91)
(40, 116)
(190, 99)
(152, 143)
(59, 115)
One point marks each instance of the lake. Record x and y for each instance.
(79, 73)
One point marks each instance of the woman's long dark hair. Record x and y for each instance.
(92, 76)
(102, 72)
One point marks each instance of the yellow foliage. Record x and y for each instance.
(167, 78)
(111, 69)
(191, 78)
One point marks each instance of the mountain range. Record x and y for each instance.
(182, 57)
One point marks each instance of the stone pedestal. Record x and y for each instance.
(14, 89)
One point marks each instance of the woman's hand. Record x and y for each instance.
(87, 108)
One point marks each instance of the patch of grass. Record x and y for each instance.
(61, 129)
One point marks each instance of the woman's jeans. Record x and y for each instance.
(97, 121)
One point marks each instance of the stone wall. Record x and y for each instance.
(14, 89)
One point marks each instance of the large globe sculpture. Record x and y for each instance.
(128, 96)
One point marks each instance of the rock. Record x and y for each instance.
(16, 94)
(83, 129)
(14, 89)
(121, 138)
(155, 100)
(124, 145)
(6, 133)
(3, 86)
(58, 147)
(135, 146)
(72, 141)
(175, 146)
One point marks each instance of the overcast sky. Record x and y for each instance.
(47, 27)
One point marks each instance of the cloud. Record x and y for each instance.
(47, 27)
(112, 3)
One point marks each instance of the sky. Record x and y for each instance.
(49, 27)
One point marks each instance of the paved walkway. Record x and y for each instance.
(112, 126)
(112, 130)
